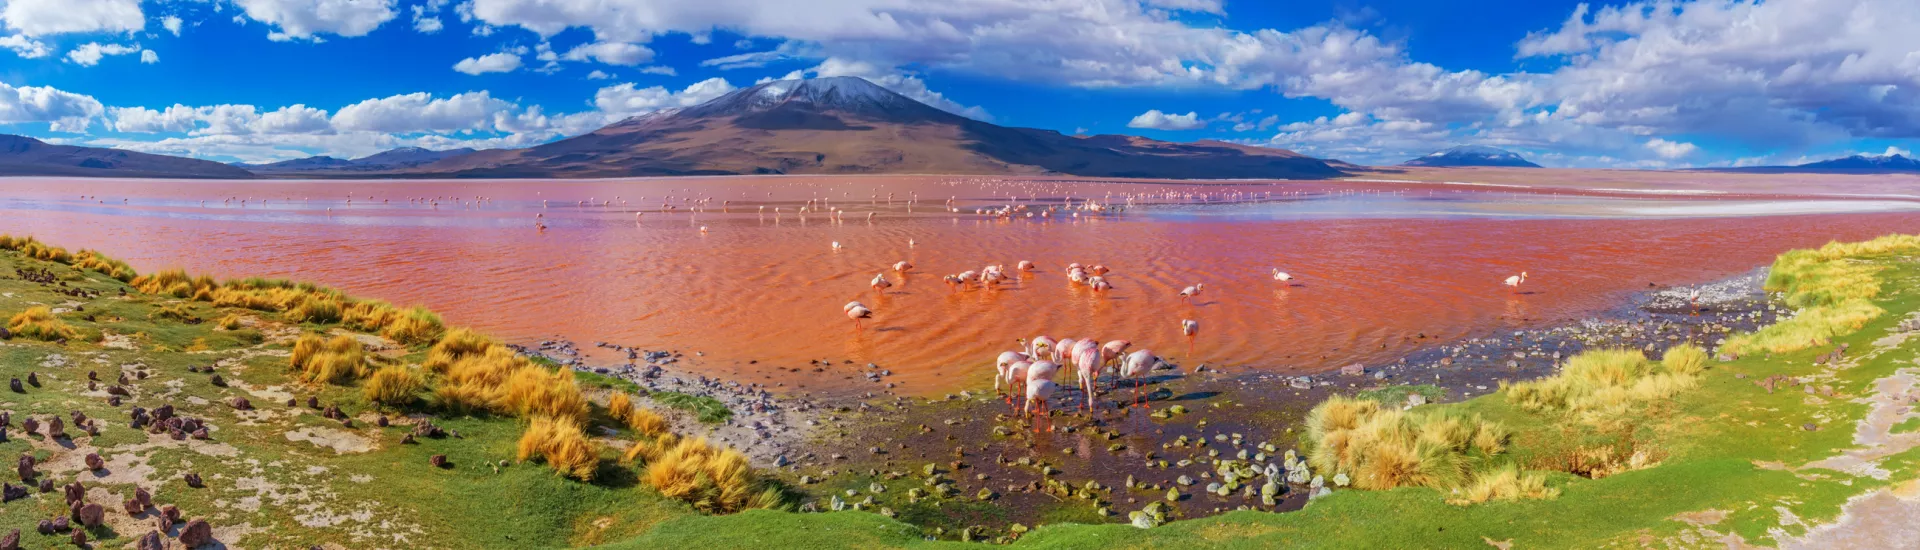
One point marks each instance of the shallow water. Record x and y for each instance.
(1383, 268)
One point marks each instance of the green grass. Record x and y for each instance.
(1396, 396)
(707, 409)
(1907, 426)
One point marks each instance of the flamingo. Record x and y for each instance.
(1063, 350)
(1000, 365)
(1515, 280)
(1135, 366)
(954, 281)
(1693, 299)
(1086, 364)
(1281, 276)
(836, 245)
(1189, 328)
(857, 311)
(1016, 379)
(1024, 265)
(880, 282)
(902, 266)
(1041, 346)
(1098, 269)
(1195, 290)
(1112, 351)
(1037, 394)
(1098, 283)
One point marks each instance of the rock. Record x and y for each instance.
(56, 429)
(143, 497)
(75, 492)
(132, 507)
(217, 381)
(45, 527)
(33, 379)
(46, 485)
(78, 538)
(150, 541)
(1340, 480)
(438, 461)
(1355, 369)
(10, 493)
(171, 512)
(60, 524)
(26, 468)
(94, 463)
(196, 534)
(381, 421)
(1415, 400)
(240, 403)
(91, 514)
(12, 540)
(193, 480)
(16, 387)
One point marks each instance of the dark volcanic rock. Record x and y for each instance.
(91, 515)
(196, 534)
(438, 461)
(10, 493)
(15, 385)
(11, 541)
(26, 468)
(94, 462)
(241, 403)
(150, 541)
(193, 480)
(75, 492)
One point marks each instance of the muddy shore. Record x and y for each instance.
(1212, 438)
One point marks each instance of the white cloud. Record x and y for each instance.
(611, 53)
(89, 54)
(178, 118)
(426, 24)
(598, 75)
(502, 62)
(662, 70)
(44, 17)
(1891, 151)
(62, 111)
(24, 47)
(624, 100)
(1156, 120)
(1670, 149)
(305, 19)
(172, 24)
(420, 112)
(147, 56)
(901, 83)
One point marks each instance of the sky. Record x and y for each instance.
(1661, 84)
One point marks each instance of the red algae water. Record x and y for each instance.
(730, 267)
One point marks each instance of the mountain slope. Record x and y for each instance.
(1867, 163)
(845, 125)
(25, 156)
(396, 159)
(1472, 155)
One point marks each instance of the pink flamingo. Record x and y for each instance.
(1112, 351)
(1189, 328)
(1024, 265)
(1098, 283)
(1086, 363)
(1135, 367)
(1037, 394)
(1001, 364)
(1016, 379)
(1281, 276)
(857, 311)
(880, 282)
(1041, 346)
(1098, 269)
(902, 266)
(1515, 280)
(1063, 350)
(1195, 290)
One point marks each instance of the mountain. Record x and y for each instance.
(1866, 163)
(847, 125)
(396, 159)
(25, 156)
(1472, 155)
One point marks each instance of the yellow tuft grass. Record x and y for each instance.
(562, 445)
(369, 315)
(95, 261)
(643, 422)
(712, 479)
(1602, 384)
(1503, 483)
(177, 312)
(415, 326)
(229, 322)
(395, 385)
(38, 322)
(1387, 448)
(322, 360)
(173, 282)
(458, 343)
(537, 391)
(1832, 286)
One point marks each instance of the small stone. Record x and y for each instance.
(240, 403)
(78, 538)
(438, 461)
(193, 480)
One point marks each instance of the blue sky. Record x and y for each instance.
(1625, 84)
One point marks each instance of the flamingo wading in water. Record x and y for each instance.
(857, 311)
(1134, 368)
(1514, 281)
(1189, 328)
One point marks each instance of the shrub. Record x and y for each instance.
(315, 308)
(1602, 384)
(712, 479)
(562, 445)
(230, 321)
(173, 282)
(1387, 448)
(414, 327)
(328, 360)
(368, 315)
(1503, 483)
(177, 312)
(536, 391)
(38, 322)
(396, 385)
(95, 261)
(456, 344)
(643, 422)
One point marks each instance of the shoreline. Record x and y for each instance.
(840, 448)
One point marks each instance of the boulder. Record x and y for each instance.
(33, 379)
(30, 425)
(56, 429)
(150, 541)
(45, 527)
(196, 534)
(75, 492)
(91, 514)
(132, 507)
(46, 485)
(10, 493)
(78, 538)
(141, 495)
(26, 468)
(94, 463)
(438, 461)
(217, 381)
(16, 387)
(171, 512)
(61, 525)
(193, 480)
(241, 403)
(11, 541)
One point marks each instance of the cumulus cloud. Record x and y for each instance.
(420, 112)
(598, 75)
(306, 19)
(147, 56)
(1670, 149)
(611, 53)
(62, 111)
(1156, 120)
(172, 24)
(901, 83)
(89, 54)
(502, 62)
(44, 17)
(25, 47)
(624, 100)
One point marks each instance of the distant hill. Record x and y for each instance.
(25, 156)
(1856, 164)
(847, 125)
(1472, 155)
(385, 161)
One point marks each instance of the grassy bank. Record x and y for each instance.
(526, 456)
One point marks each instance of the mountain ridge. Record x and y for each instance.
(1471, 155)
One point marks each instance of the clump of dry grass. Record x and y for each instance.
(1387, 448)
(177, 312)
(458, 343)
(1833, 286)
(321, 360)
(369, 315)
(415, 326)
(1602, 384)
(561, 444)
(394, 385)
(229, 322)
(38, 322)
(643, 422)
(713, 479)
(175, 283)
(479, 373)
(1503, 483)
(95, 261)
